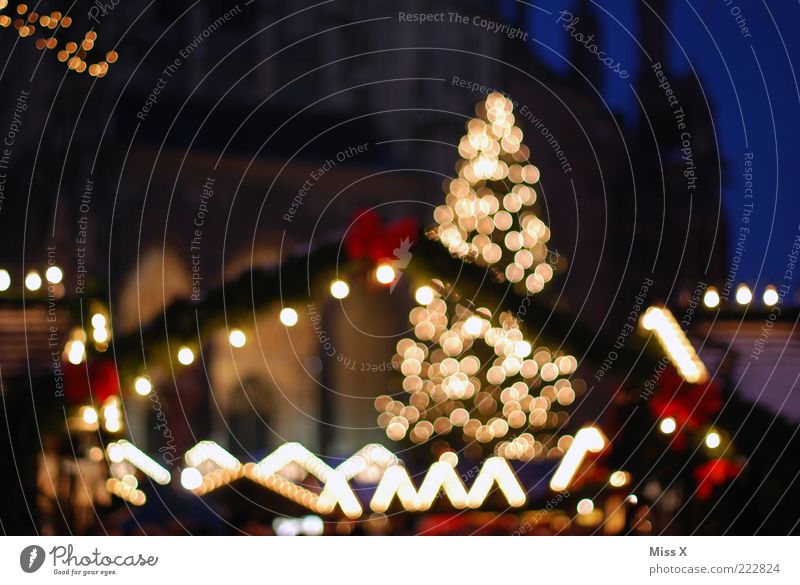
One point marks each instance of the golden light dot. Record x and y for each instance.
(33, 281)
(22, 9)
(288, 317)
(711, 298)
(71, 47)
(44, 20)
(771, 296)
(424, 295)
(54, 275)
(81, 67)
(5, 21)
(33, 17)
(89, 415)
(66, 22)
(585, 506)
(385, 273)
(743, 294)
(73, 62)
(713, 440)
(87, 45)
(91, 35)
(668, 425)
(112, 56)
(185, 355)
(237, 338)
(339, 289)
(51, 43)
(143, 385)
(3, 4)
(41, 44)
(618, 479)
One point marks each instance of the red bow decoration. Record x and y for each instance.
(691, 405)
(370, 238)
(714, 473)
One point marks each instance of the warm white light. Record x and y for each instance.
(619, 478)
(743, 294)
(33, 281)
(191, 479)
(668, 425)
(675, 343)
(473, 326)
(54, 275)
(289, 317)
(424, 295)
(713, 440)
(237, 338)
(124, 451)
(185, 355)
(711, 298)
(771, 296)
(89, 415)
(99, 321)
(385, 273)
(585, 506)
(113, 425)
(339, 289)
(143, 385)
(76, 351)
(100, 335)
(587, 440)
(5, 280)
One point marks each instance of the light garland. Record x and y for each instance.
(673, 340)
(486, 215)
(74, 53)
(122, 450)
(587, 440)
(210, 466)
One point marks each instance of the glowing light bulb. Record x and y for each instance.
(143, 385)
(743, 294)
(339, 289)
(288, 317)
(5, 280)
(100, 335)
(713, 440)
(585, 506)
(185, 355)
(33, 281)
(113, 425)
(668, 425)
(54, 275)
(76, 352)
(89, 415)
(385, 273)
(237, 338)
(711, 298)
(191, 479)
(424, 295)
(771, 296)
(473, 325)
(98, 320)
(618, 478)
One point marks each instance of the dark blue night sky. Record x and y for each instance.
(751, 85)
